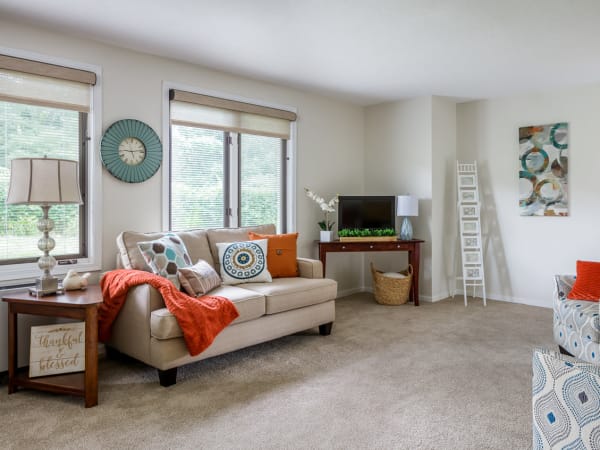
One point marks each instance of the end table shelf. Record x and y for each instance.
(64, 383)
(82, 305)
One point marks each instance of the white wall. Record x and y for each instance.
(411, 148)
(444, 221)
(330, 135)
(398, 158)
(523, 253)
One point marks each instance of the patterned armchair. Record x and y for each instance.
(565, 403)
(576, 322)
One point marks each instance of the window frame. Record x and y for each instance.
(289, 169)
(24, 273)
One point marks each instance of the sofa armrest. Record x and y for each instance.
(310, 268)
(130, 332)
(562, 286)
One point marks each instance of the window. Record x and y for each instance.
(228, 163)
(44, 111)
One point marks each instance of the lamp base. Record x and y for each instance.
(406, 231)
(45, 286)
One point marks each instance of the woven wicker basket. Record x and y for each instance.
(391, 291)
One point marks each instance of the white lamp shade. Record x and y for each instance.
(43, 181)
(408, 205)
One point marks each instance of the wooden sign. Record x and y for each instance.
(57, 349)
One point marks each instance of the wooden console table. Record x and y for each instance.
(413, 247)
(82, 305)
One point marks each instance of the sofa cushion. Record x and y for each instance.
(284, 294)
(250, 305)
(198, 279)
(196, 242)
(281, 253)
(217, 235)
(243, 262)
(165, 256)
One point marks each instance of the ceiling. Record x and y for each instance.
(362, 51)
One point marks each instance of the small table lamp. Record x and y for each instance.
(408, 205)
(44, 182)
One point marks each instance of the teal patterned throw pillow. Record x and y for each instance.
(165, 256)
(244, 262)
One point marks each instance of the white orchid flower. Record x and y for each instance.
(326, 207)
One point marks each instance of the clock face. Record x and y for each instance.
(132, 151)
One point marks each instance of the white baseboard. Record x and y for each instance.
(346, 292)
(517, 300)
(438, 297)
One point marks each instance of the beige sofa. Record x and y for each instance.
(147, 331)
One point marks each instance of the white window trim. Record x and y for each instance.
(26, 273)
(291, 148)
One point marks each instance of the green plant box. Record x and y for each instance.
(369, 238)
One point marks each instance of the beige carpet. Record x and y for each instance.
(434, 377)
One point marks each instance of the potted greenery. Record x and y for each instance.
(367, 234)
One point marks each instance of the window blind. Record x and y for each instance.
(261, 180)
(203, 111)
(41, 84)
(197, 178)
(43, 112)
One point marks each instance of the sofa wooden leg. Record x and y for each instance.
(563, 351)
(167, 377)
(325, 329)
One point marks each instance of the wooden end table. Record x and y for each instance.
(82, 305)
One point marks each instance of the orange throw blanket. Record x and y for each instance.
(201, 319)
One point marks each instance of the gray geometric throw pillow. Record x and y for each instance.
(165, 256)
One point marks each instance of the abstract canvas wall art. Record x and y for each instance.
(543, 170)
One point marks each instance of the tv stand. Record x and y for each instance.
(413, 247)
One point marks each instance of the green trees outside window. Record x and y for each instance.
(36, 131)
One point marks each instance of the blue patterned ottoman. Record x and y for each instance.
(576, 322)
(565, 402)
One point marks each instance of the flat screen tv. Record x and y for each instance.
(373, 212)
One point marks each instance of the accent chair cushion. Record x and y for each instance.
(576, 322)
(244, 262)
(281, 254)
(587, 283)
(565, 402)
(165, 256)
(198, 279)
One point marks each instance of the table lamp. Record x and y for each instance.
(408, 205)
(44, 182)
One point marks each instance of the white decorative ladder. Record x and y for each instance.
(470, 228)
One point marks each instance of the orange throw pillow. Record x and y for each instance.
(587, 283)
(281, 253)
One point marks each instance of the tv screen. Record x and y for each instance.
(373, 212)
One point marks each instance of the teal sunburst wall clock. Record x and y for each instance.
(131, 151)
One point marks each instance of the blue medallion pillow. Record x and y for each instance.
(244, 262)
(165, 256)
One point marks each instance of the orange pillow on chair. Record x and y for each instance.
(587, 283)
(281, 253)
